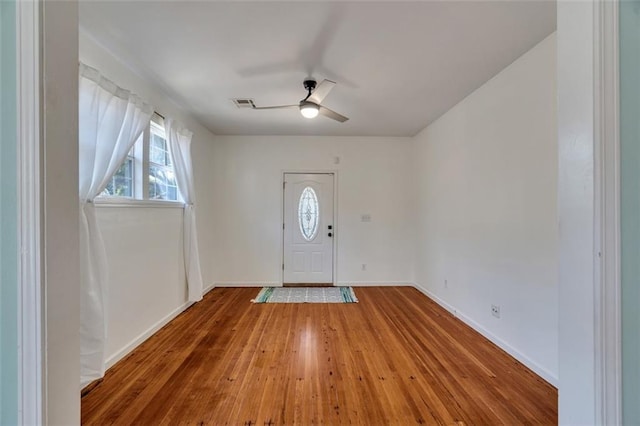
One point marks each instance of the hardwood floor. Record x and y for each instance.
(395, 358)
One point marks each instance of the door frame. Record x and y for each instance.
(335, 219)
(589, 142)
(607, 309)
(31, 330)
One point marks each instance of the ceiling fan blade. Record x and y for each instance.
(332, 114)
(321, 91)
(277, 107)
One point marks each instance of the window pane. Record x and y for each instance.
(121, 184)
(308, 213)
(158, 150)
(157, 141)
(162, 183)
(173, 192)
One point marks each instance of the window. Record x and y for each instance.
(147, 173)
(162, 179)
(308, 213)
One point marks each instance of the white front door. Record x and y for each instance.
(308, 228)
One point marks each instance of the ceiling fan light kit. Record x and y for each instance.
(309, 110)
(310, 106)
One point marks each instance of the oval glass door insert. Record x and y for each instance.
(308, 213)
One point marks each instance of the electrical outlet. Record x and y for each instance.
(364, 266)
(495, 311)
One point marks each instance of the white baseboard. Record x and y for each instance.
(208, 289)
(536, 368)
(248, 284)
(375, 283)
(145, 335)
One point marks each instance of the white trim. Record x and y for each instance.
(127, 349)
(247, 284)
(134, 203)
(376, 283)
(208, 289)
(335, 220)
(31, 366)
(532, 365)
(607, 308)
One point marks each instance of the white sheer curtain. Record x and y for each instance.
(110, 120)
(179, 140)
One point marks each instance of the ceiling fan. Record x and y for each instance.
(310, 106)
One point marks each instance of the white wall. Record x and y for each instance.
(61, 225)
(146, 272)
(486, 201)
(373, 178)
(576, 208)
(147, 284)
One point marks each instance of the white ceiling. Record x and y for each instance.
(398, 65)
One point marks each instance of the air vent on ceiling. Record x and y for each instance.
(243, 103)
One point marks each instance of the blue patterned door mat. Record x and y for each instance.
(306, 295)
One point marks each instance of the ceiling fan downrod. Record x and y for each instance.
(310, 85)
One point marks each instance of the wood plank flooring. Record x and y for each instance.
(395, 358)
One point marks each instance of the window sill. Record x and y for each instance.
(133, 203)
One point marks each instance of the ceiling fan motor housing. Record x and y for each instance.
(309, 84)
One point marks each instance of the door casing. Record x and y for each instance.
(336, 233)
